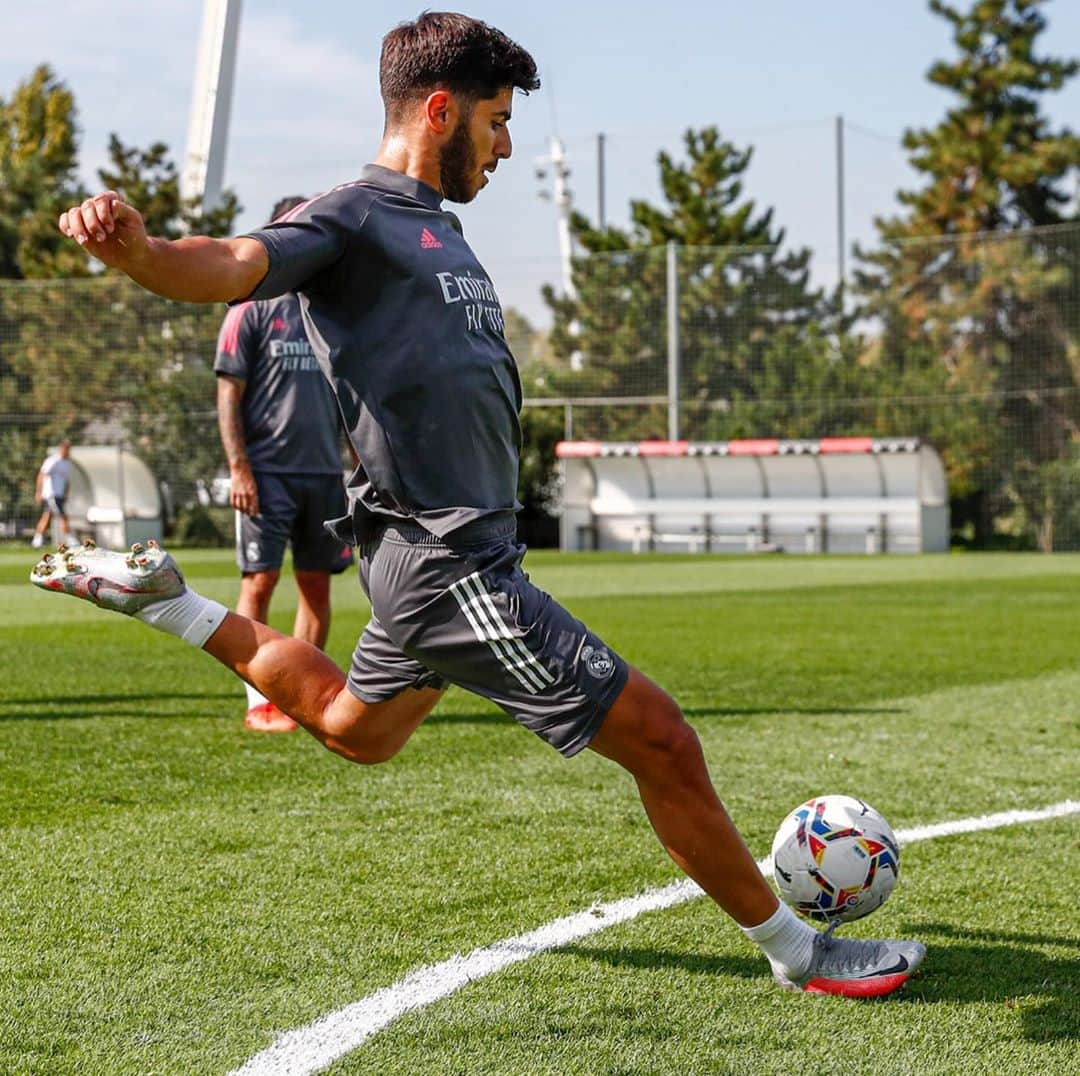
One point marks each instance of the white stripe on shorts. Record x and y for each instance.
(509, 641)
(470, 607)
(488, 627)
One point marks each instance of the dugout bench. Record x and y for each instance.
(838, 495)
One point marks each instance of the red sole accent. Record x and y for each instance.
(266, 717)
(857, 988)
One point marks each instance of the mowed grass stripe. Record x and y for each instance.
(309, 1050)
(174, 889)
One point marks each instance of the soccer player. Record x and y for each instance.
(280, 430)
(50, 491)
(408, 328)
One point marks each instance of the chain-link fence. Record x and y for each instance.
(971, 344)
(100, 361)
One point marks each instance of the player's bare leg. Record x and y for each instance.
(147, 584)
(646, 733)
(312, 622)
(38, 541)
(303, 682)
(256, 591)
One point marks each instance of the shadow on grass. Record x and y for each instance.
(695, 963)
(495, 718)
(754, 711)
(979, 967)
(60, 707)
(1002, 966)
(490, 717)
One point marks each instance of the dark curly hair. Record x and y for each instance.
(444, 50)
(283, 205)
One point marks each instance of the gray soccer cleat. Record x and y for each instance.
(122, 582)
(857, 969)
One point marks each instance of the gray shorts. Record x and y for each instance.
(461, 611)
(292, 508)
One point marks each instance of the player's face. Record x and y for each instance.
(480, 140)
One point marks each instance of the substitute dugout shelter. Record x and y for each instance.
(836, 494)
(113, 496)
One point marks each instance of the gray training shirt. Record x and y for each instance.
(291, 422)
(407, 326)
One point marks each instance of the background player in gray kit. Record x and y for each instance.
(406, 325)
(281, 433)
(50, 491)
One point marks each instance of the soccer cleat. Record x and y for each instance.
(122, 582)
(266, 717)
(856, 969)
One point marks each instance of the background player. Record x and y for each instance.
(50, 491)
(280, 430)
(407, 326)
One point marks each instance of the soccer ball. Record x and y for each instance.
(835, 859)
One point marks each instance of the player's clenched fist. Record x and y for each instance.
(107, 227)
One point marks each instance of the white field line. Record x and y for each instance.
(310, 1049)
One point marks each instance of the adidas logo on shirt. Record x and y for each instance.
(428, 241)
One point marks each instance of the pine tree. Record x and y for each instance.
(38, 165)
(970, 299)
(742, 300)
(149, 180)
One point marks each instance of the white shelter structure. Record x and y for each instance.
(113, 497)
(838, 495)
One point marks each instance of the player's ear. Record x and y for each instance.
(439, 111)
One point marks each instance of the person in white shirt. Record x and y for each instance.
(51, 493)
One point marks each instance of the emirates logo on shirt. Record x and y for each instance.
(428, 241)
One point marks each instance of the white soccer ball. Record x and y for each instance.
(835, 859)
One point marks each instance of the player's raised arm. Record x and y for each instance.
(195, 269)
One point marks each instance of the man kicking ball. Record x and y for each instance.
(407, 327)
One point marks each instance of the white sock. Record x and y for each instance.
(786, 940)
(189, 616)
(254, 697)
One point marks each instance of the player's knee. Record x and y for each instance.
(260, 585)
(366, 752)
(315, 586)
(354, 739)
(673, 740)
(666, 741)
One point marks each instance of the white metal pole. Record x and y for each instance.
(211, 99)
(563, 209)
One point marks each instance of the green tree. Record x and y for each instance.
(171, 406)
(743, 301)
(38, 166)
(149, 180)
(988, 314)
(100, 359)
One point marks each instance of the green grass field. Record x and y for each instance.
(176, 892)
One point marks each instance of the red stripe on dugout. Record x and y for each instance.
(846, 444)
(565, 450)
(663, 448)
(759, 447)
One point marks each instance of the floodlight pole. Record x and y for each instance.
(211, 98)
(563, 203)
